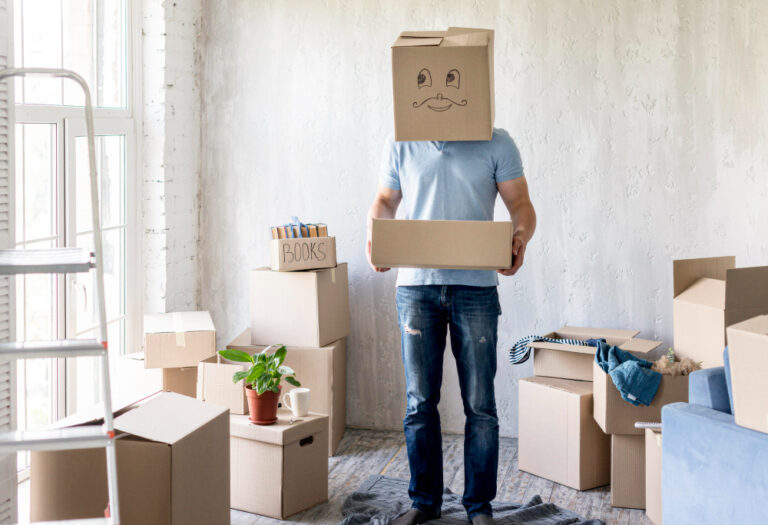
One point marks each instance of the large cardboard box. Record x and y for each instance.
(616, 416)
(748, 358)
(291, 456)
(178, 339)
(180, 380)
(299, 308)
(323, 371)
(303, 253)
(628, 471)
(172, 463)
(442, 83)
(709, 295)
(653, 475)
(558, 438)
(468, 245)
(574, 361)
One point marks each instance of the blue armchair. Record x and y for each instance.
(713, 471)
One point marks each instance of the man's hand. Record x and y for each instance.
(375, 268)
(518, 254)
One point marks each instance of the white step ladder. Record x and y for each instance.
(68, 260)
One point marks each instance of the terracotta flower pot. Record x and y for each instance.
(262, 408)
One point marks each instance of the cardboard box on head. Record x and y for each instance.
(442, 82)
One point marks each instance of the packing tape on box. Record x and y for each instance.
(333, 275)
(180, 337)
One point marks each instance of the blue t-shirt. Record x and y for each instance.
(449, 181)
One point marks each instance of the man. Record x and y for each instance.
(452, 181)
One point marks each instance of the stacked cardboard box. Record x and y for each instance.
(177, 342)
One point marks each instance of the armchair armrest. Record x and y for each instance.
(708, 388)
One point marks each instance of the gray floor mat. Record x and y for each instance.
(381, 499)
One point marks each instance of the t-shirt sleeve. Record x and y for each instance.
(389, 173)
(508, 163)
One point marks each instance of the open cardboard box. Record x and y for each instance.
(180, 380)
(566, 446)
(467, 245)
(178, 339)
(322, 370)
(289, 455)
(616, 416)
(709, 295)
(748, 359)
(442, 82)
(309, 309)
(303, 253)
(575, 361)
(172, 466)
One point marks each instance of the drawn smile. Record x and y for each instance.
(440, 108)
(439, 103)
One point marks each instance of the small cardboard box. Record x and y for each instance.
(303, 253)
(292, 457)
(178, 339)
(214, 383)
(180, 380)
(172, 465)
(299, 308)
(323, 371)
(628, 471)
(616, 416)
(468, 245)
(566, 446)
(574, 361)
(653, 475)
(442, 83)
(748, 357)
(709, 295)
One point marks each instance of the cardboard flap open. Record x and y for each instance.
(465, 36)
(640, 346)
(746, 287)
(168, 418)
(609, 334)
(178, 322)
(419, 38)
(685, 272)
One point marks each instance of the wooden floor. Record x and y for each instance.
(366, 452)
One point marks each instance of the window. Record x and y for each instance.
(53, 207)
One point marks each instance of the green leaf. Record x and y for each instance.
(239, 376)
(253, 374)
(292, 380)
(275, 389)
(280, 354)
(236, 355)
(285, 370)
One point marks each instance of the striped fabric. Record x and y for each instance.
(520, 351)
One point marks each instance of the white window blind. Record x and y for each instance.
(7, 371)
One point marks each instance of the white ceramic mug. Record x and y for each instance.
(299, 404)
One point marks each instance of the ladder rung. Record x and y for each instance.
(63, 348)
(69, 438)
(51, 260)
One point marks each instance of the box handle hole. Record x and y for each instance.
(306, 441)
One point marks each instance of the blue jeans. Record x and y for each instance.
(425, 314)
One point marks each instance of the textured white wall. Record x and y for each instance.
(642, 127)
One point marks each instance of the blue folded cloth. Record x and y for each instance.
(520, 351)
(633, 377)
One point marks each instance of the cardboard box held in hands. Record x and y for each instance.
(442, 83)
(748, 358)
(575, 361)
(711, 294)
(178, 339)
(467, 245)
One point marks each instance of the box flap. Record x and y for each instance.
(178, 322)
(640, 346)
(419, 38)
(746, 287)
(280, 433)
(168, 418)
(570, 386)
(705, 292)
(467, 36)
(95, 414)
(579, 332)
(685, 272)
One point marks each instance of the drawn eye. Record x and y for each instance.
(424, 78)
(453, 78)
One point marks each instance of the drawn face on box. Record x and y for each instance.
(440, 90)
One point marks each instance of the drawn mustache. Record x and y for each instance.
(439, 98)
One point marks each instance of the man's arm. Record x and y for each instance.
(384, 207)
(514, 193)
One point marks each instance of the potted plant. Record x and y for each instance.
(262, 380)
